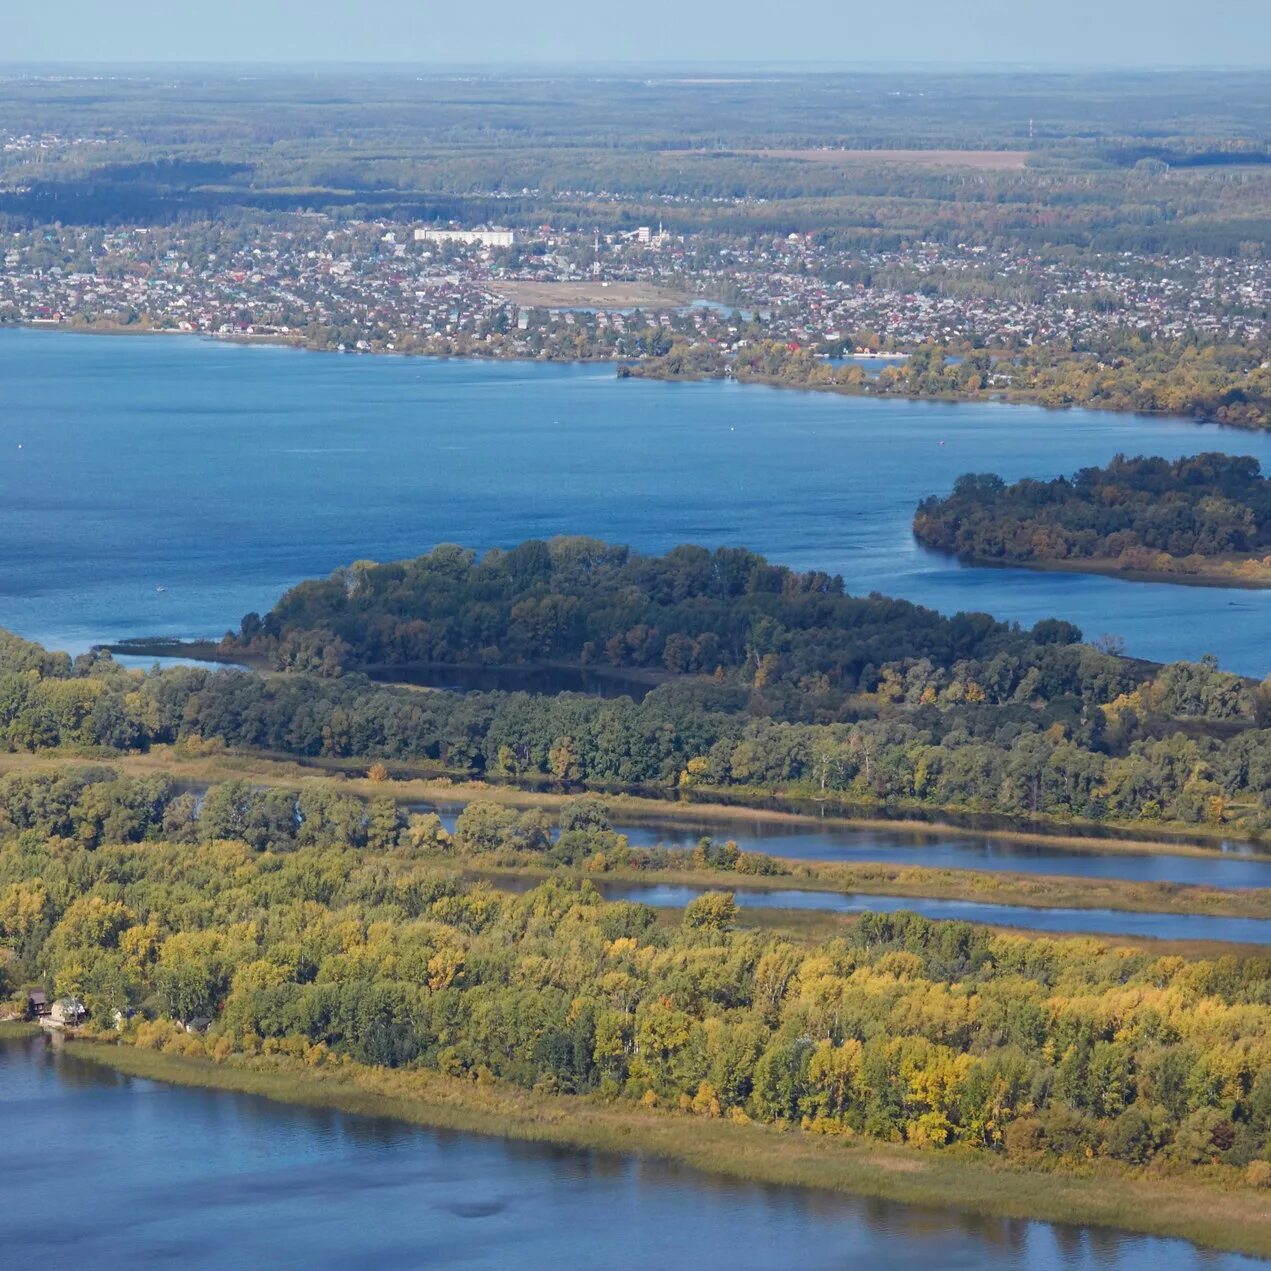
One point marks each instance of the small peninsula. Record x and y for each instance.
(1204, 519)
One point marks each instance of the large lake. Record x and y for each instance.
(226, 473)
(103, 1171)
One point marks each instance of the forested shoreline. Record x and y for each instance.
(261, 928)
(1046, 1053)
(1227, 384)
(775, 683)
(1207, 516)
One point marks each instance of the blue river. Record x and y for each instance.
(105, 1171)
(223, 474)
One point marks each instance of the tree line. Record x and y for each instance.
(91, 806)
(1187, 744)
(578, 600)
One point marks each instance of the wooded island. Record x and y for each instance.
(1202, 519)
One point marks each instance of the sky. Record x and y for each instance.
(1129, 33)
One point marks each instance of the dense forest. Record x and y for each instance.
(1149, 515)
(1177, 748)
(1047, 1053)
(92, 806)
(772, 682)
(801, 640)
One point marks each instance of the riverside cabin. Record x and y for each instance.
(37, 1004)
(67, 1012)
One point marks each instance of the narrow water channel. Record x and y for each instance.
(809, 841)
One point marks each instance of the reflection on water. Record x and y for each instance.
(108, 1171)
(146, 661)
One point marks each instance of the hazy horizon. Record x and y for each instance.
(929, 34)
(584, 66)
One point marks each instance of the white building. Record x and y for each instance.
(486, 237)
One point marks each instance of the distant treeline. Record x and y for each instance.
(1145, 514)
(1186, 153)
(1041, 210)
(584, 151)
(114, 198)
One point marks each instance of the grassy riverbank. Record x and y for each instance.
(1029, 891)
(1220, 1217)
(789, 806)
(703, 805)
(811, 927)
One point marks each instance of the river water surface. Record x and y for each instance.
(167, 486)
(223, 474)
(102, 1170)
(1106, 922)
(1240, 865)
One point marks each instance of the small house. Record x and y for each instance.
(37, 1004)
(68, 1012)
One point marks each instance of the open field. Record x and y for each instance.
(980, 160)
(1224, 1218)
(591, 295)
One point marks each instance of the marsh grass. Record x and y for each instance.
(1028, 891)
(812, 927)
